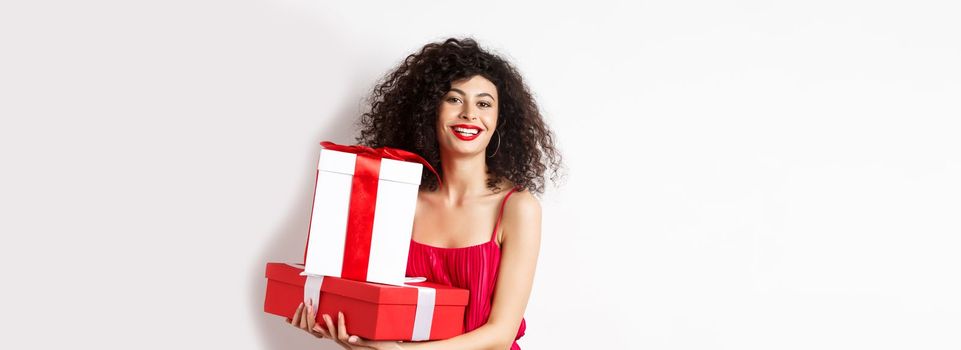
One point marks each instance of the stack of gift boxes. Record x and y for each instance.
(356, 253)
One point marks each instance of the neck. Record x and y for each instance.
(464, 176)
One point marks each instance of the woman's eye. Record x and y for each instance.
(453, 99)
(484, 104)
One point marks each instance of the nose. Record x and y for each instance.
(468, 113)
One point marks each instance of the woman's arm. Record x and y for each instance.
(519, 249)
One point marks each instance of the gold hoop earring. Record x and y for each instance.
(498, 145)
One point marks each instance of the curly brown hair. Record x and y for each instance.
(403, 114)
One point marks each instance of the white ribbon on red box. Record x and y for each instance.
(424, 316)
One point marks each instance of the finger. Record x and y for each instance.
(341, 328)
(355, 340)
(331, 330)
(311, 315)
(321, 331)
(312, 320)
(296, 318)
(319, 328)
(303, 318)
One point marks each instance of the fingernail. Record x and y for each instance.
(353, 339)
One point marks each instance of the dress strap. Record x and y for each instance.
(500, 214)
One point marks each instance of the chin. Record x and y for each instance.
(464, 151)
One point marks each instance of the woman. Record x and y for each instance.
(470, 115)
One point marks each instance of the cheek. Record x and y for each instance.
(439, 127)
(491, 119)
(445, 111)
(441, 119)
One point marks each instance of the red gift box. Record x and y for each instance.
(371, 310)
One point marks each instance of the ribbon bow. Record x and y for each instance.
(382, 152)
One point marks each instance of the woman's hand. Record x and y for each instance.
(305, 320)
(339, 332)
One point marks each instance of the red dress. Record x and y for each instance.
(473, 268)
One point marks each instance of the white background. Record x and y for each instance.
(741, 174)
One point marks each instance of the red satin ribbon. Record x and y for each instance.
(382, 152)
(360, 218)
(363, 199)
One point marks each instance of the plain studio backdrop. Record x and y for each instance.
(740, 174)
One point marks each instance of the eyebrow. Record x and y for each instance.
(478, 95)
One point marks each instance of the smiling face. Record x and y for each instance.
(467, 116)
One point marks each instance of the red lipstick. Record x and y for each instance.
(466, 132)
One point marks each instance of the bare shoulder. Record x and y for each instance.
(522, 205)
(522, 220)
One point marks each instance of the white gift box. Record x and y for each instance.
(362, 217)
